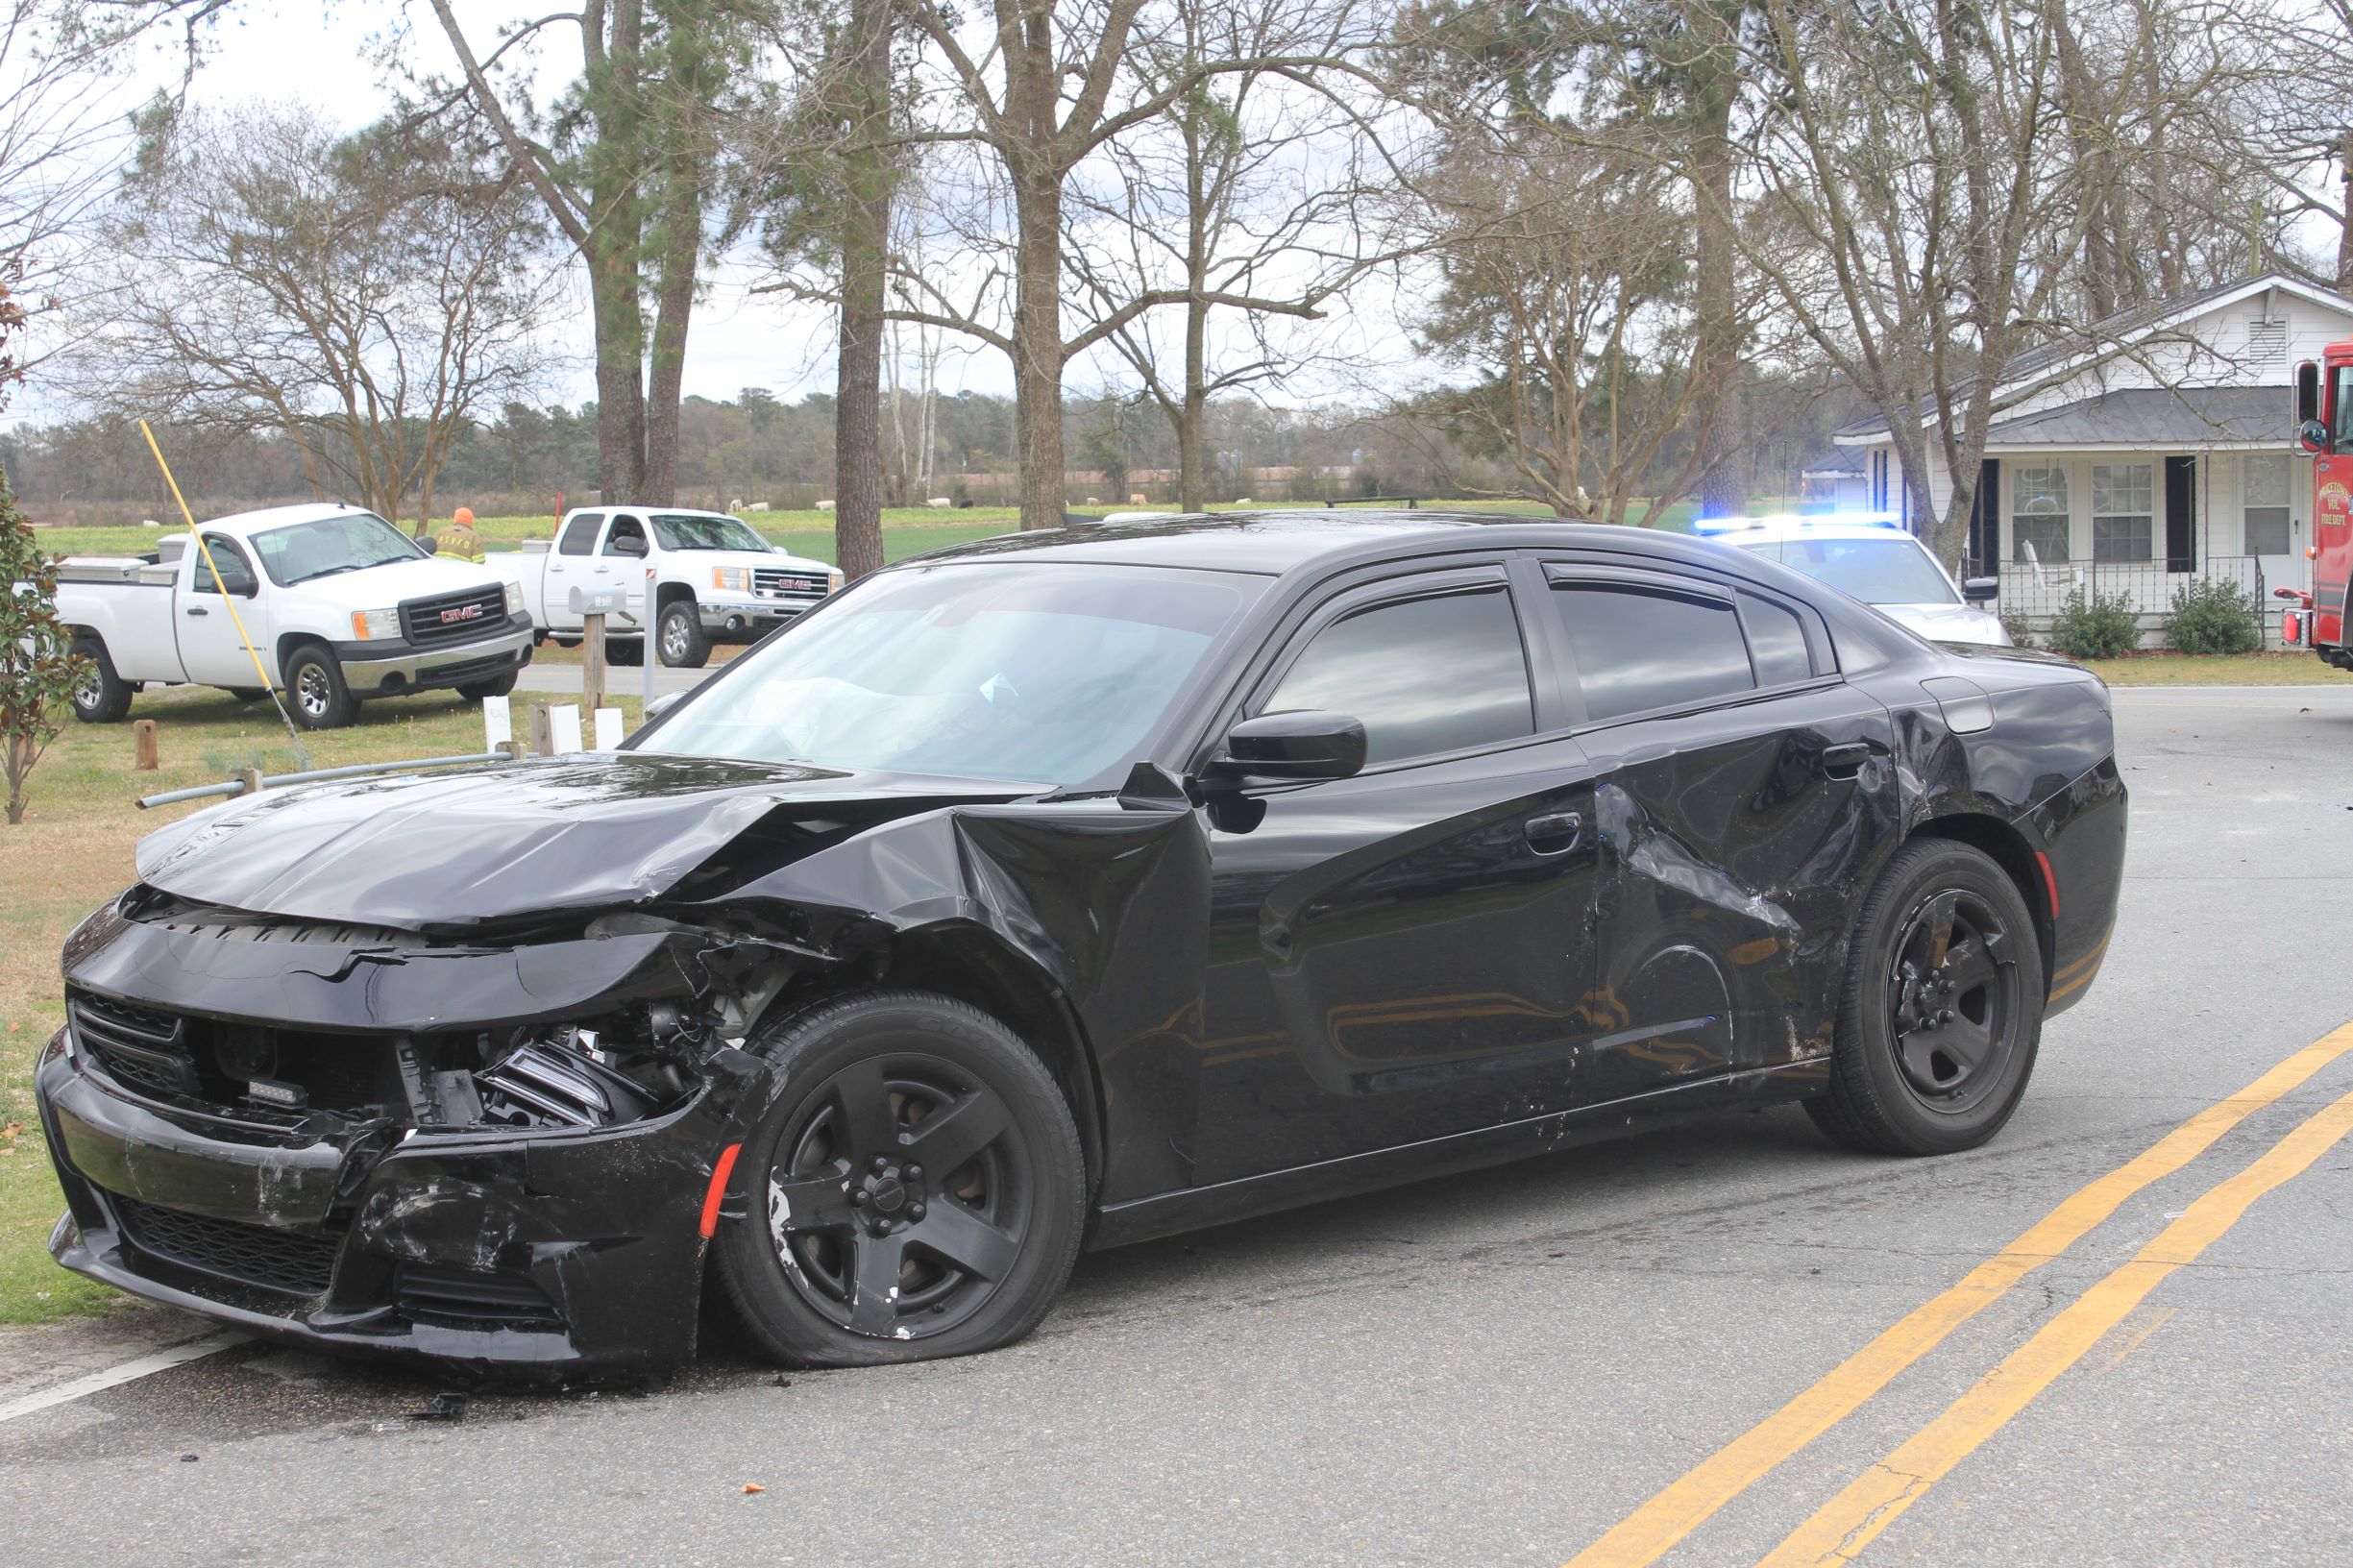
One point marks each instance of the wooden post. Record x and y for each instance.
(143, 743)
(592, 665)
(251, 779)
(543, 731)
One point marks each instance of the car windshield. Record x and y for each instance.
(350, 542)
(685, 531)
(1026, 670)
(1891, 570)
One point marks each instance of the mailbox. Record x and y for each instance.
(598, 601)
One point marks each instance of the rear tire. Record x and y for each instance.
(624, 653)
(248, 694)
(101, 696)
(851, 1252)
(684, 645)
(314, 683)
(1942, 1008)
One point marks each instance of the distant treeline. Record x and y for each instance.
(758, 450)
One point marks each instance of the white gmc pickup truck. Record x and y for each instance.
(713, 581)
(340, 606)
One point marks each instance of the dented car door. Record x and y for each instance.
(1745, 796)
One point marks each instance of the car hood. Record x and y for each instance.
(1948, 623)
(514, 841)
(380, 587)
(748, 558)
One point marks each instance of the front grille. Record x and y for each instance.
(454, 618)
(300, 1266)
(215, 1063)
(135, 1046)
(468, 1295)
(781, 582)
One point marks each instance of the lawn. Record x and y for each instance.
(73, 851)
(906, 531)
(2217, 669)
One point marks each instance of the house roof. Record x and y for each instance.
(2103, 338)
(1838, 460)
(2157, 416)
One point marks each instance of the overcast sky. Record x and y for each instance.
(326, 54)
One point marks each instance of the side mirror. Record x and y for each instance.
(430, 543)
(2313, 436)
(2307, 392)
(660, 705)
(1980, 590)
(1302, 746)
(629, 545)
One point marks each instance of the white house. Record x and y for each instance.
(2156, 445)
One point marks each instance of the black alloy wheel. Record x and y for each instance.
(915, 1191)
(1943, 1011)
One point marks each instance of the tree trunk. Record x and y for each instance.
(621, 398)
(1724, 487)
(2345, 230)
(616, 226)
(1192, 478)
(1037, 350)
(865, 244)
(681, 252)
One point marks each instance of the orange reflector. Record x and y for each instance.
(2051, 885)
(726, 1168)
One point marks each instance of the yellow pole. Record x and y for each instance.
(227, 601)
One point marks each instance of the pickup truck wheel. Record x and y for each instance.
(321, 700)
(101, 696)
(481, 689)
(914, 1187)
(626, 651)
(684, 647)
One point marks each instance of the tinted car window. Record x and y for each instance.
(1776, 637)
(1638, 648)
(1423, 674)
(580, 534)
(624, 527)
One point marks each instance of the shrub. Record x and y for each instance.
(2100, 627)
(2016, 626)
(2212, 615)
(38, 664)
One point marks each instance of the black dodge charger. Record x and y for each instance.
(1064, 890)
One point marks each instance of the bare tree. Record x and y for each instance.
(1048, 85)
(1251, 186)
(364, 297)
(62, 134)
(1568, 291)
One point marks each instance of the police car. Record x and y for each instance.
(1872, 557)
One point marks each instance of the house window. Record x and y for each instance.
(2123, 511)
(2038, 514)
(2264, 501)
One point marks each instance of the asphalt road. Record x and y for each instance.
(1500, 1367)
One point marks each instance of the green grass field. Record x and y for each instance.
(906, 531)
(2218, 670)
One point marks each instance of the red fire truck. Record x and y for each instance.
(2324, 419)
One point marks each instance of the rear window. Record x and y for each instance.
(1642, 648)
(1891, 570)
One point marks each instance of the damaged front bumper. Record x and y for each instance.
(534, 1214)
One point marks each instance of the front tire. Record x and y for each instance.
(1942, 1010)
(101, 696)
(684, 646)
(315, 684)
(916, 1189)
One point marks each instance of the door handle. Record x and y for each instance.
(198, 609)
(1555, 833)
(1846, 760)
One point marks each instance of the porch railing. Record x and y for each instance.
(2035, 594)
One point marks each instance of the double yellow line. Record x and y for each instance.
(1849, 1521)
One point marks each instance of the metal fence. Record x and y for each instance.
(2035, 594)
